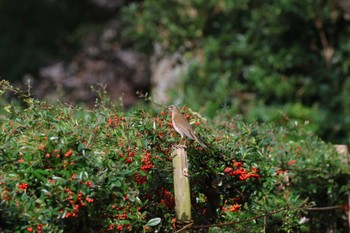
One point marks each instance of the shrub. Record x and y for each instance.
(66, 169)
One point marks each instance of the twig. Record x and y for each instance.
(268, 214)
(242, 221)
(184, 228)
(325, 208)
(92, 134)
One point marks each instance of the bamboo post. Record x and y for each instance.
(181, 188)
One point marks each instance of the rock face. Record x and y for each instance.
(166, 77)
(104, 64)
(122, 76)
(344, 5)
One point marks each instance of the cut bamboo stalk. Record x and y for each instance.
(181, 188)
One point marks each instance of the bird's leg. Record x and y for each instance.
(181, 141)
(184, 141)
(178, 146)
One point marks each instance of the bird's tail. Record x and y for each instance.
(200, 142)
(191, 135)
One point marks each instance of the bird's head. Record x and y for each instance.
(173, 108)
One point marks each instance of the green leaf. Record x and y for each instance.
(46, 192)
(117, 184)
(153, 222)
(39, 174)
(8, 108)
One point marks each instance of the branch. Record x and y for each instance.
(184, 228)
(325, 208)
(242, 221)
(307, 208)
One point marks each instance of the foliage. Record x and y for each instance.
(66, 169)
(253, 57)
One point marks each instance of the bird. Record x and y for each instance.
(182, 126)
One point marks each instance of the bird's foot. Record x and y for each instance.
(175, 147)
(179, 146)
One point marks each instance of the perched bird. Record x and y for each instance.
(182, 126)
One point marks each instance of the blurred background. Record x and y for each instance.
(270, 61)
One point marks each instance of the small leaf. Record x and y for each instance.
(153, 222)
(56, 177)
(39, 174)
(118, 184)
(46, 192)
(8, 108)
(12, 175)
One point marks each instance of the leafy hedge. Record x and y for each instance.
(67, 169)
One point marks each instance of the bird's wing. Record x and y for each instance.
(185, 127)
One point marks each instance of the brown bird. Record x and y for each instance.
(182, 126)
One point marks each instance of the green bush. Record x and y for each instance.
(66, 169)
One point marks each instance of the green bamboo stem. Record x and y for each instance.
(181, 188)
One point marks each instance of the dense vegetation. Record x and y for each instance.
(281, 67)
(268, 60)
(73, 170)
